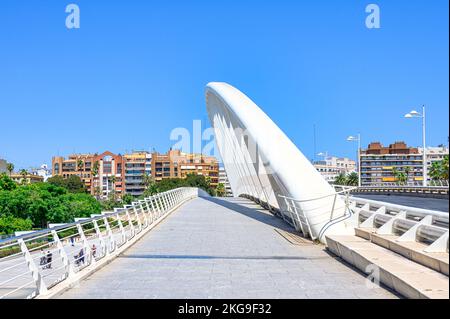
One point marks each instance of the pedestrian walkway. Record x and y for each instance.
(225, 248)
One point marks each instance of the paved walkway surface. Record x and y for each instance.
(224, 248)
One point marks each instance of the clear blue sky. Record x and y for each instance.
(137, 69)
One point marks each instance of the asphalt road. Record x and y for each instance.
(419, 202)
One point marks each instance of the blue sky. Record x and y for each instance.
(137, 69)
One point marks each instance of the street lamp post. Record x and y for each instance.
(353, 139)
(415, 114)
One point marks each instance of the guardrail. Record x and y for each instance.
(36, 264)
(409, 223)
(438, 183)
(419, 191)
(293, 214)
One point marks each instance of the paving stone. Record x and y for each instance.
(223, 248)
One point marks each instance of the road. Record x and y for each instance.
(419, 202)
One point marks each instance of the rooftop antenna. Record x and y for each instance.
(314, 138)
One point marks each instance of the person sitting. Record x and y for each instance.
(94, 250)
(49, 260)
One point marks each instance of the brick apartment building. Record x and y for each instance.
(178, 164)
(378, 163)
(124, 174)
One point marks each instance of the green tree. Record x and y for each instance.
(151, 187)
(24, 174)
(436, 170)
(44, 203)
(58, 181)
(220, 190)
(127, 199)
(445, 168)
(10, 224)
(95, 168)
(341, 179)
(400, 176)
(112, 180)
(6, 183)
(407, 170)
(80, 165)
(352, 179)
(73, 183)
(10, 168)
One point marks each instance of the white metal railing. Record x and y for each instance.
(430, 184)
(408, 223)
(293, 214)
(34, 263)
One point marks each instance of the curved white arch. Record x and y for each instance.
(261, 161)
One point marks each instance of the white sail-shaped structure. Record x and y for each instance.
(262, 162)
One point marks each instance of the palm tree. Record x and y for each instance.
(10, 168)
(150, 185)
(352, 179)
(407, 170)
(444, 164)
(24, 174)
(220, 190)
(112, 180)
(80, 165)
(97, 192)
(341, 179)
(435, 171)
(399, 176)
(95, 168)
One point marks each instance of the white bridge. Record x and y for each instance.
(235, 248)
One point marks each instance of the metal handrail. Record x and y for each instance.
(299, 220)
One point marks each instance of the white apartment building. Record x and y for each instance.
(330, 167)
(434, 154)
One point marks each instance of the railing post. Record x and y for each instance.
(112, 241)
(37, 277)
(154, 210)
(162, 204)
(100, 237)
(137, 218)
(122, 230)
(65, 259)
(130, 222)
(85, 244)
(148, 213)
(172, 196)
(169, 203)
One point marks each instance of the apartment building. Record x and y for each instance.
(379, 162)
(176, 164)
(101, 173)
(137, 165)
(26, 178)
(107, 173)
(434, 154)
(330, 167)
(42, 171)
